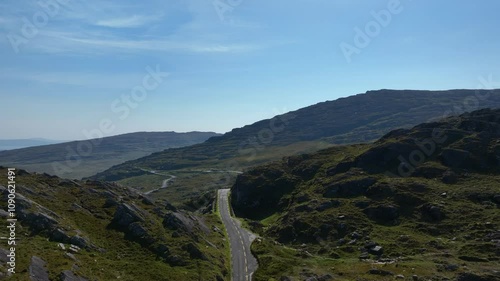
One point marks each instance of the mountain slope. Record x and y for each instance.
(359, 118)
(84, 158)
(423, 201)
(103, 231)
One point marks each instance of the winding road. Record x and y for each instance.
(243, 263)
(164, 183)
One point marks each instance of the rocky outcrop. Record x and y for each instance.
(474, 277)
(449, 177)
(178, 221)
(386, 214)
(351, 188)
(258, 194)
(432, 213)
(454, 157)
(328, 205)
(194, 252)
(163, 251)
(126, 214)
(58, 235)
(38, 270)
(79, 241)
(40, 222)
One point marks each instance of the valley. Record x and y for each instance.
(419, 202)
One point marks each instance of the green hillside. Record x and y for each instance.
(119, 233)
(422, 203)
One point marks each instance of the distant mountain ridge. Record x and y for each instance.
(9, 144)
(360, 118)
(65, 160)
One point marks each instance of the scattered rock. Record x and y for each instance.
(194, 252)
(3, 214)
(68, 183)
(110, 202)
(163, 251)
(364, 256)
(449, 177)
(37, 270)
(432, 212)
(3, 256)
(341, 167)
(137, 230)
(370, 245)
(176, 260)
(473, 259)
(79, 242)
(148, 201)
(170, 207)
(58, 235)
(178, 221)
(356, 235)
(70, 256)
(451, 267)
(472, 277)
(303, 208)
(41, 222)
(126, 214)
(303, 198)
(328, 205)
(350, 188)
(74, 249)
(400, 276)
(380, 272)
(376, 250)
(362, 204)
(68, 275)
(383, 213)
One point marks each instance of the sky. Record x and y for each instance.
(73, 69)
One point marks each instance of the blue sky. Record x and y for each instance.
(228, 65)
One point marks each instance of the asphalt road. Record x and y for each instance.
(243, 264)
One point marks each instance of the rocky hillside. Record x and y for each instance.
(89, 230)
(360, 118)
(418, 204)
(80, 159)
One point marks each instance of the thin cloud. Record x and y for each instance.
(67, 42)
(127, 22)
